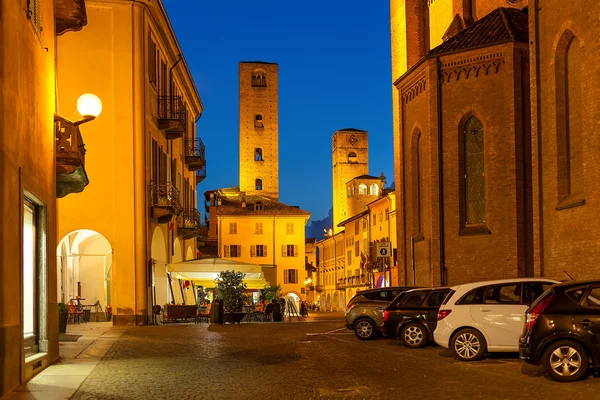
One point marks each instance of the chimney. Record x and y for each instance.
(243, 203)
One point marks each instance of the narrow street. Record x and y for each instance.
(303, 360)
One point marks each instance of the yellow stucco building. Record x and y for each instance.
(144, 160)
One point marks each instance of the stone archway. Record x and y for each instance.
(189, 254)
(295, 298)
(84, 269)
(161, 293)
(336, 302)
(328, 303)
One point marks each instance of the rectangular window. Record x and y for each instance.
(30, 278)
(357, 248)
(365, 224)
(374, 217)
(151, 60)
(349, 257)
(233, 228)
(387, 214)
(289, 228)
(290, 276)
(259, 250)
(162, 78)
(233, 250)
(289, 250)
(356, 226)
(259, 228)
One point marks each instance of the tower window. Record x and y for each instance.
(258, 121)
(258, 156)
(258, 206)
(362, 189)
(352, 157)
(258, 184)
(374, 189)
(259, 79)
(474, 172)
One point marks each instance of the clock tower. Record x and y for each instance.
(259, 129)
(350, 159)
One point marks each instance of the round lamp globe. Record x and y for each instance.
(89, 105)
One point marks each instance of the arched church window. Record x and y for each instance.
(362, 189)
(352, 157)
(374, 189)
(474, 167)
(258, 184)
(258, 121)
(258, 154)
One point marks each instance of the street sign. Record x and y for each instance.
(384, 249)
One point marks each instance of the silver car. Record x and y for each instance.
(364, 312)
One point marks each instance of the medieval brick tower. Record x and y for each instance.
(350, 158)
(259, 129)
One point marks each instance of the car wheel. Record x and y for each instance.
(365, 329)
(468, 345)
(566, 361)
(414, 335)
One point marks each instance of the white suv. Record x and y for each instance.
(486, 316)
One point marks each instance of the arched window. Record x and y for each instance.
(474, 192)
(352, 157)
(258, 121)
(362, 189)
(374, 189)
(258, 154)
(417, 188)
(258, 206)
(258, 184)
(569, 58)
(259, 79)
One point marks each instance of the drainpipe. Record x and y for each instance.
(440, 173)
(538, 90)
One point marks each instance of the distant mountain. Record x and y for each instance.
(316, 227)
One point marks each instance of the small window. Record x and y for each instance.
(258, 250)
(503, 294)
(259, 79)
(259, 228)
(233, 228)
(289, 228)
(357, 248)
(475, 296)
(593, 299)
(374, 218)
(258, 184)
(258, 154)
(413, 299)
(352, 157)
(258, 121)
(374, 189)
(290, 250)
(290, 276)
(349, 257)
(362, 189)
(356, 226)
(152, 75)
(387, 214)
(258, 206)
(576, 295)
(233, 250)
(435, 299)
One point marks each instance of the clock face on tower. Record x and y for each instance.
(352, 140)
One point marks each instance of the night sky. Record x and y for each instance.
(334, 73)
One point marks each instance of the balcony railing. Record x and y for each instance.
(200, 175)
(319, 288)
(194, 154)
(70, 158)
(188, 223)
(164, 200)
(172, 116)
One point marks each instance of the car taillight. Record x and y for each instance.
(351, 306)
(533, 314)
(443, 314)
(386, 314)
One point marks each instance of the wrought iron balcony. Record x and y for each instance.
(188, 223)
(200, 175)
(164, 201)
(194, 154)
(70, 158)
(172, 116)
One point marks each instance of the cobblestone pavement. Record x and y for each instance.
(304, 361)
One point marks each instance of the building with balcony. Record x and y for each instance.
(144, 160)
(37, 148)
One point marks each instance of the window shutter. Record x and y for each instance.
(285, 276)
(239, 250)
(283, 250)
(226, 250)
(264, 250)
(252, 250)
(295, 250)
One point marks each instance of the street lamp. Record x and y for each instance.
(89, 106)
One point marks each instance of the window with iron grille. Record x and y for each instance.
(233, 250)
(259, 228)
(259, 250)
(233, 228)
(290, 276)
(474, 172)
(34, 13)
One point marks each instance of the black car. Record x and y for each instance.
(412, 316)
(562, 330)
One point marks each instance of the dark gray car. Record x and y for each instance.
(364, 312)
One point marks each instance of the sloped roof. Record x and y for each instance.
(365, 177)
(501, 25)
(231, 204)
(351, 130)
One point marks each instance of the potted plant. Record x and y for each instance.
(63, 316)
(231, 290)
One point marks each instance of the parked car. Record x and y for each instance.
(562, 331)
(364, 312)
(486, 316)
(412, 316)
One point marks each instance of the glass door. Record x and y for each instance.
(30, 276)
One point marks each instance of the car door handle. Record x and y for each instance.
(485, 309)
(585, 322)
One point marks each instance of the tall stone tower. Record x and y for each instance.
(350, 158)
(259, 129)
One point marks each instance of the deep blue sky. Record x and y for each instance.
(334, 73)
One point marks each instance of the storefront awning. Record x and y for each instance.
(203, 272)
